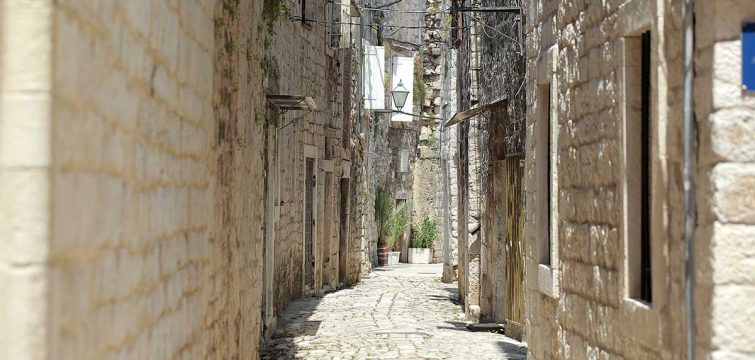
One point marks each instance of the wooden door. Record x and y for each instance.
(514, 247)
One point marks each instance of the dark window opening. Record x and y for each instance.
(646, 289)
(306, 14)
(548, 172)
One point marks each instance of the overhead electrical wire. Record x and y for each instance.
(405, 11)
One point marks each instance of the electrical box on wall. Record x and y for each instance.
(748, 56)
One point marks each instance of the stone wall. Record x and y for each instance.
(315, 70)
(402, 22)
(388, 140)
(575, 50)
(436, 72)
(501, 136)
(726, 182)
(144, 246)
(468, 159)
(579, 306)
(26, 95)
(448, 167)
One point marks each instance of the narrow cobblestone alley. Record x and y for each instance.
(403, 311)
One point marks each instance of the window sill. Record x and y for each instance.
(637, 314)
(547, 281)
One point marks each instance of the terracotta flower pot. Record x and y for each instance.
(382, 252)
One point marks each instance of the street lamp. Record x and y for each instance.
(399, 95)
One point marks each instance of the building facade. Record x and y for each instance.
(123, 165)
(605, 221)
(310, 248)
(156, 180)
(491, 154)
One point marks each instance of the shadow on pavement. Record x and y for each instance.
(292, 323)
(512, 351)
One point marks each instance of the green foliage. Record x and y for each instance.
(271, 11)
(425, 235)
(419, 81)
(392, 220)
(230, 7)
(398, 224)
(432, 140)
(260, 119)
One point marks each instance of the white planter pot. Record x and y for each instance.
(393, 257)
(420, 256)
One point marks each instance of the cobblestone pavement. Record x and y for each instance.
(402, 312)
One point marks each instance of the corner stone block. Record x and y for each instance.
(734, 200)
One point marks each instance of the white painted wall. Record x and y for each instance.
(403, 70)
(374, 73)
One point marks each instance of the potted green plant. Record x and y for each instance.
(392, 220)
(422, 240)
(398, 224)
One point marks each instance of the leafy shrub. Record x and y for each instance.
(398, 224)
(392, 219)
(425, 235)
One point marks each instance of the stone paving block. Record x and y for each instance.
(402, 313)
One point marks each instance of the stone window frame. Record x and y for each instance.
(548, 275)
(636, 17)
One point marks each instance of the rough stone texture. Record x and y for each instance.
(590, 314)
(449, 168)
(469, 157)
(726, 184)
(134, 161)
(319, 72)
(387, 141)
(499, 66)
(402, 312)
(403, 22)
(433, 195)
(142, 247)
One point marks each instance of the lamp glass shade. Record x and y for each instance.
(399, 95)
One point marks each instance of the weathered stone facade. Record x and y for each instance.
(329, 74)
(579, 302)
(501, 73)
(435, 197)
(144, 170)
(131, 143)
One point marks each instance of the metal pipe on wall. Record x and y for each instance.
(688, 172)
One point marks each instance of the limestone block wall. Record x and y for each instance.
(726, 184)
(582, 301)
(427, 182)
(580, 297)
(300, 62)
(355, 143)
(25, 161)
(140, 179)
(433, 71)
(469, 166)
(448, 166)
(152, 250)
(501, 75)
